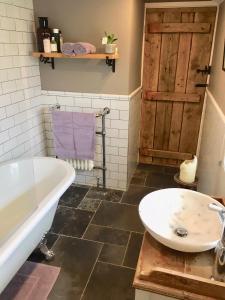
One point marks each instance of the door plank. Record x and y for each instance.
(161, 110)
(200, 55)
(166, 154)
(151, 56)
(180, 84)
(179, 27)
(171, 96)
(150, 80)
(143, 159)
(183, 9)
(166, 83)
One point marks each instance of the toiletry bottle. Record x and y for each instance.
(53, 45)
(56, 34)
(47, 43)
(41, 31)
(61, 40)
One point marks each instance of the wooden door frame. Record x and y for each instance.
(197, 4)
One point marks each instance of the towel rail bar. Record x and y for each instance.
(102, 115)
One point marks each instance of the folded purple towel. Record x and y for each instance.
(74, 135)
(88, 47)
(78, 48)
(73, 49)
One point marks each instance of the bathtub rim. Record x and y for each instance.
(14, 240)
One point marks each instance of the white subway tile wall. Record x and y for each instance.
(117, 124)
(21, 121)
(25, 119)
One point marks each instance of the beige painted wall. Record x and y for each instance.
(211, 169)
(211, 172)
(87, 20)
(136, 34)
(217, 79)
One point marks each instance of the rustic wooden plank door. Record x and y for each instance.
(177, 44)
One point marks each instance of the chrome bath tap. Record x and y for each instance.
(219, 263)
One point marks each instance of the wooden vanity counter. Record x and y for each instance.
(176, 274)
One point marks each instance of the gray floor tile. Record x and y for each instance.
(106, 235)
(89, 204)
(159, 180)
(133, 250)
(151, 168)
(73, 196)
(105, 194)
(135, 194)
(113, 254)
(120, 216)
(171, 170)
(109, 282)
(138, 180)
(140, 173)
(76, 258)
(70, 221)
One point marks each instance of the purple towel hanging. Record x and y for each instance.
(74, 134)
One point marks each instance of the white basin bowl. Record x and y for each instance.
(169, 213)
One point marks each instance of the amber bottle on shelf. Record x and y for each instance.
(41, 32)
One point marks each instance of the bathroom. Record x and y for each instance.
(97, 237)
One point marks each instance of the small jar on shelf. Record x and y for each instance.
(53, 45)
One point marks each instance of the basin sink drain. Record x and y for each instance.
(181, 232)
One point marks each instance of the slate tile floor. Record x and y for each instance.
(97, 236)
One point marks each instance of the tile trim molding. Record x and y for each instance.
(135, 92)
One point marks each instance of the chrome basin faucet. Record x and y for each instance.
(219, 263)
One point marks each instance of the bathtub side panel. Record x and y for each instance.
(25, 248)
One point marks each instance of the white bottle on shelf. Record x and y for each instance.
(47, 44)
(53, 45)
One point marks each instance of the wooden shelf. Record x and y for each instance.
(110, 59)
(85, 56)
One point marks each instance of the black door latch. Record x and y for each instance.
(205, 71)
(201, 85)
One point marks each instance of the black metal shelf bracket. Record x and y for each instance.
(111, 62)
(47, 60)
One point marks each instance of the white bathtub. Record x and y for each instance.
(29, 193)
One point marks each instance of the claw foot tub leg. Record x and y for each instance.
(49, 254)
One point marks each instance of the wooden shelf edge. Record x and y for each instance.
(81, 56)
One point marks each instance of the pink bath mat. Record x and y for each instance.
(34, 281)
